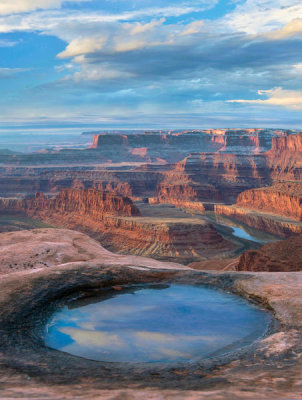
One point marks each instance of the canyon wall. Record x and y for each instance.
(90, 203)
(221, 177)
(232, 141)
(276, 209)
(284, 160)
(117, 223)
(271, 223)
(275, 257)
(212, 177)
(283, 199)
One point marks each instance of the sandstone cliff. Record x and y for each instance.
(284, 160)
(90, 202)
(264, 221)
(117, 223)
(282, 198)
(275, 209)
(275, 257)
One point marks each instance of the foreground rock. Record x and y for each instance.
(280, 256)
(271, 368)
(47, 248)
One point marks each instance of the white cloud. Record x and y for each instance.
(277, 97)
(20, 6)
(258, 16)
(138, 27)
(99, 72)
(192, 28)
(291, 29)
(6, 72)
(82, 46)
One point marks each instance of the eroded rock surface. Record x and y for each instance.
(46, 248)
(276, 209)
(117, 223)
(283, 256)
(271, 368)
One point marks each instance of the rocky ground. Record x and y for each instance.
(69, 263)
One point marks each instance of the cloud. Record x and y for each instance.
(192, 28)
(8, 43)
(8, 72)
(93, 338)
(98, 73)
(259, 16)
(82, 46)
(277, 97)
(138, 27)
(293, 28)
(20, 6)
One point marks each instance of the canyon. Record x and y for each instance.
(185, 208)
(275, 209)
(119, 225)
(251, 176)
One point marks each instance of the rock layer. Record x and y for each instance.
(90, 202)
(283, 256)
(283, 199)
(116, 222)
(267, 222)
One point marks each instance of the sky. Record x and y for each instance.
(151, 63)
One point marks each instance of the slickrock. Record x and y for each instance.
(283, 256)
(37, 249)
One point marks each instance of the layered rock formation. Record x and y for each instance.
(284, 256)
(183, 240)
(239, 141)
(90, 203)
(116, 222)
(284, 160)
(212, 177)
(267, 222)
(282, 198)
(276, 209)
(221, 177)
(48, 248)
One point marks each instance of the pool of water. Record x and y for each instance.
(241, 230)
(241, 233)
(158, 323)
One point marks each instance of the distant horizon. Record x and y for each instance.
(51, 129)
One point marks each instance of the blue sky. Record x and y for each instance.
(151, 63)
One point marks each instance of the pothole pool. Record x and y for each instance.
(155, 323)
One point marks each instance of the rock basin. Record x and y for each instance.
(268, 368)
(155, 323)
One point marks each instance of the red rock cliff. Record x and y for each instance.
(88, 202)
(275, 257)
(283, 199)
(284, 160)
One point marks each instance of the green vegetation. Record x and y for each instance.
(18, 223)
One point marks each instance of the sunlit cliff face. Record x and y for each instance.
(141, 64)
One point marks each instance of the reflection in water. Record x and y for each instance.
(241, 230)
(241, 233)
(177, 323)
